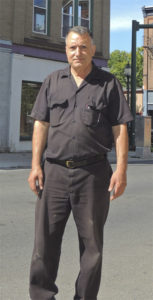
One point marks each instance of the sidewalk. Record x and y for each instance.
(22, 160)
(15, 160)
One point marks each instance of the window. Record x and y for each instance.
(67, 15)
(76, 12)
(83, 13)
(29, 93)
(40, 16)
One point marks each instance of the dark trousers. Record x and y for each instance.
(84, 191)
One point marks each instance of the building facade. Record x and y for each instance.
(32, 45)
(148, 63)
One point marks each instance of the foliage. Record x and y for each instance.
(139, 67)
(117, 63)
(119, 59)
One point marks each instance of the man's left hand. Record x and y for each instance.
(118, 184)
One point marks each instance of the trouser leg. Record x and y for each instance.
(52, 212)
(90, 209)
(91, 246)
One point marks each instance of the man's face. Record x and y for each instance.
(79, 50)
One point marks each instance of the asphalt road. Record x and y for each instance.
(128, 250)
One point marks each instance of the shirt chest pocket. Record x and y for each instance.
(91, 116)
(58, 112)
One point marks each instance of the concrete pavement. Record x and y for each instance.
(128, 247)
(127, 267)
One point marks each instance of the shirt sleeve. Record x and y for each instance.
(119, 111)
(40, 109)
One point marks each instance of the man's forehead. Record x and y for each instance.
(74, 37)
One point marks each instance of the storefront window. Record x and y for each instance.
(29, 94)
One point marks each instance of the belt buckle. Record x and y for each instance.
(69, 164)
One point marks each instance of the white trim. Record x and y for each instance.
(5, 42)
(5, 50)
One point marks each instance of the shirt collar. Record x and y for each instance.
(66, 72)
(93, 74)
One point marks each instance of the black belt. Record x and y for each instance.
(72, 164)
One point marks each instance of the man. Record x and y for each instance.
(75, 113)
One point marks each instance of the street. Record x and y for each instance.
(128, 248)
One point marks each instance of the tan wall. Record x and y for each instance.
(19, 16)
(101, 26)
(55, 29)
(12, 20)
(139, 101)
(148, 60)
(6, 19)
(28, 19)
(16, 24)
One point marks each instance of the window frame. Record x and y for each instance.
(77, 14)
(79, 17)
(68, 15)
(46, 15)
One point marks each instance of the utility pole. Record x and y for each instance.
(135, 27)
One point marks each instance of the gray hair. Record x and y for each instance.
(80, 30)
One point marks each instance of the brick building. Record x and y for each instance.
(148, 63)
(32, 45)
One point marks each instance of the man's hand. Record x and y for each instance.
(118, 180)
(39, 139)
(36, 180)
(117, 184)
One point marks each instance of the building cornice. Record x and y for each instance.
(38, 52)
(147, 11)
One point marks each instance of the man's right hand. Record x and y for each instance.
(36, 179)
(39, 140)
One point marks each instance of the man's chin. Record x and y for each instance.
(77, 64)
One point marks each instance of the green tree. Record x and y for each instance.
(139, 67)
(119, 59)
(117, 63)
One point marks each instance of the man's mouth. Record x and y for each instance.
(78, 59)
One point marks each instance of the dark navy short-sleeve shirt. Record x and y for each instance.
(81, 118)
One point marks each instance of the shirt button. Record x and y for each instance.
(73, 121)
(73, 138)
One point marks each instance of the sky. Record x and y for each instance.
(122, 14)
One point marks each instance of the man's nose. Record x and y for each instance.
(78, 51)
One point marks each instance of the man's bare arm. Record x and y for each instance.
(118, 180)
(39, 140)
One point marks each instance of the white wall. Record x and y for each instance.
(30, 69)
(5, 71)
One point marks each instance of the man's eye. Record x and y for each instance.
(83, 47)
(72, 48)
